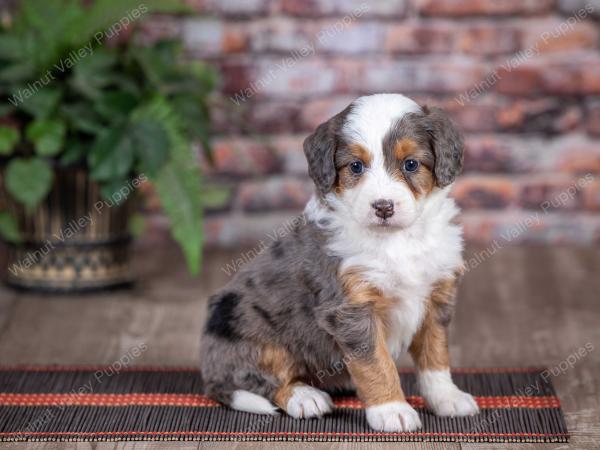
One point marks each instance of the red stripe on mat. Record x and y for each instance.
(267, 433)
(94, 368)
(197, 400)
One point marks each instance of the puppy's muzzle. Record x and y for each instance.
(383, 208)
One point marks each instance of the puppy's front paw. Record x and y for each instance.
(307, 402)
(452, 403)
(393, 417)
(443, 397)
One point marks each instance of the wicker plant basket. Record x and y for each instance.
(74, 241)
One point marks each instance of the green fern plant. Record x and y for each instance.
(120, 108)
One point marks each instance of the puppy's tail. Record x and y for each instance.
(239, 399)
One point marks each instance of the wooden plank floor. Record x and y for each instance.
(522, 306)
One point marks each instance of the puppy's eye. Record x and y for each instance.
(357, 167)
(410, 165)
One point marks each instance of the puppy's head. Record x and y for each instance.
(382, 157)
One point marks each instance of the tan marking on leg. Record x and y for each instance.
(375, 376)
(360, 291)
(429, 348)
(278, 362)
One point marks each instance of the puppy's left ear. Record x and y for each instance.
(447, 144)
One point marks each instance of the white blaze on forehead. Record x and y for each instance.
(371, 118)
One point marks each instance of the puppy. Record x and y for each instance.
(369, 273)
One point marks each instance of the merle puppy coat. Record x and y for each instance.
(369, 273)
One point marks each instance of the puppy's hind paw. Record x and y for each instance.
(393, 417)
(307, 402)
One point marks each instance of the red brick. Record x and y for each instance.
(255, 231)
(519, 80)
(280, 34)
(315, 112)
(241, 156)
(481, 38)
(232, 8)
(569, 119)
(478, 115)
(488, 39)
(227, 117)
(415, 38)
(203, 35)
(592, 195)
(571, 153)
(487, 154)
(579, 8)
(421, 76)
(495, 229)
(549, 115)
(257, 116)
(209, 37)
(352, 8)
(290, 153)
(551, 192)
(485, 192)
(236, 76)
(558, 35)
(235, 40)
(353, 38)
(500, 229)
(562, 77)
(562, 74)
(590, 78)
(575, 73)
(273, 194)
(563, 80)
(513, 116)
(580, 157)
(483, 7)
(593, 116)
(286, 149)
(310, 37)
(274, 116)
(294, 77)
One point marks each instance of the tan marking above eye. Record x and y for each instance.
(405, 148)
(360, 153)
(421, 180)
(345, 156)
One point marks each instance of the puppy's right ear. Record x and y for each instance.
(320, 148)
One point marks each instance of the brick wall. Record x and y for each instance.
(520, 77)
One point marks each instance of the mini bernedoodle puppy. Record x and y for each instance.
(369, 274)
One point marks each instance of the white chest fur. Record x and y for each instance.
(404, 264)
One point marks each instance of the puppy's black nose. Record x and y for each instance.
(383, 208)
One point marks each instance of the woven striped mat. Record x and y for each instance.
(160, 404)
